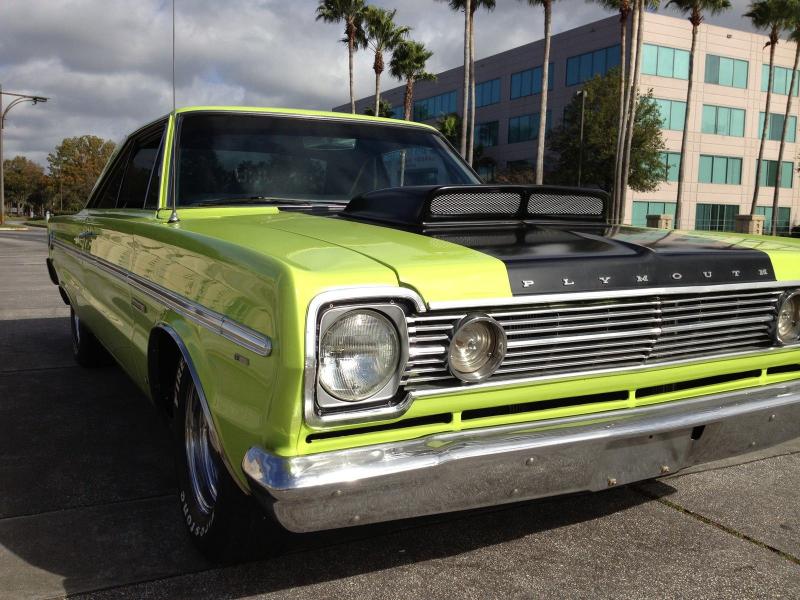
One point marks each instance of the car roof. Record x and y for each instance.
(298, 112)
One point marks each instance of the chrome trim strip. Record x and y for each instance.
(606, 295)
(488, 466)
(359, 295)
(203, 402)
(211, 320)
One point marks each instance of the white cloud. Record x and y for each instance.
(106, 64)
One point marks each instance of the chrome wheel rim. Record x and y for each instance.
(200, 453)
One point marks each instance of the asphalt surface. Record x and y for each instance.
(88, 505)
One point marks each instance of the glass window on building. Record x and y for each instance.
(641, 209)
(583, 67)
(519, 165)
(665, 62)
(487, 93)
(526, 127)
(715, 217)
(784, 218)
(673, 113)
(769, 171)
(722, 120)
(672, 163)
(529, 82)
(782, 80)
(487, 172)
(731, 72)
(720, 169)
(775, 129)
(435, 107)
(486, 134)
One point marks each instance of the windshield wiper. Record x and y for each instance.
(267, 200)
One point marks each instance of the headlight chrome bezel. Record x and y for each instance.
(789, 296)
(396, 318)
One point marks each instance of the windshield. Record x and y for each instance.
(262, 157)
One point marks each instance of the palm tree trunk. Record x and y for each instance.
(465, 103)
(636, 62)
(407, 99)
(548, 18)
(378, 67)
(772, 45)
(685, 136)
(471, 128)
(776, 193)
(623, 35)
(350, 52)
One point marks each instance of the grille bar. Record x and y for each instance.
(584, 335)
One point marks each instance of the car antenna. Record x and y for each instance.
(173, 217)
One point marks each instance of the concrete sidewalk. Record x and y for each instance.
(87, 505)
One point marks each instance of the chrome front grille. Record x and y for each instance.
(587, 335)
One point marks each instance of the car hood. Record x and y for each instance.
(483, 262)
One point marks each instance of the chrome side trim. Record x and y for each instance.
(211, 320)
(489, 466)
(607, 295)
(203, 401)
(359, 295)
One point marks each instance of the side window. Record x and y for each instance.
(155, 181)
(137, 177)
(106, 196)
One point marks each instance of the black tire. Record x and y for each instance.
(88, 352)
(223, 523)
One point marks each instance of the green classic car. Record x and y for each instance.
(342, 324)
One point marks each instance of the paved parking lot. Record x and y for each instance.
(88, 507)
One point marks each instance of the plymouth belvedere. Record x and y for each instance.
(344, 326)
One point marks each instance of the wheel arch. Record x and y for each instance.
(165, 347)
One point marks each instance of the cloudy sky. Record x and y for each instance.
(106, 64)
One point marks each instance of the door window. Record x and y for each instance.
(140, 170)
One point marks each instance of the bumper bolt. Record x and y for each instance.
(529, 462)
(514, 492)
(612, 482)
(664, 469)
(772, 417)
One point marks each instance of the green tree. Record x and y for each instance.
(450, 127)
(383, 34)
(547, 5)
(793, 10)
(351, 12)
(600, 131)
(696, 10)
(772, 15)
(78, 162)
(408, 63)
(385, 110)
(25, 182)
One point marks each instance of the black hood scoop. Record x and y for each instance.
(555, 239)
(473, 205)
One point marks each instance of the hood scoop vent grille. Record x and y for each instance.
(430, 206)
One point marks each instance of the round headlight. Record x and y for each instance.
(787, 330)
(358, 355)
(477, 348)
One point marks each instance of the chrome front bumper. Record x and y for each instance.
(483, 467)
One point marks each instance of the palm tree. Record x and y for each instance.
(771, 15)
(469, 7)
(386, 110)
(624, 8)
(352, 13)
(382, 35)
(408, 63)
(795, 37)
(548, 20)
(450, 127)
(695, 10)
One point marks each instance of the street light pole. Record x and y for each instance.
(582, 94)
(18, 99)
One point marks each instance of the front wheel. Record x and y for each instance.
(221, 520)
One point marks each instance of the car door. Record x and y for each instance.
(112, 226)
